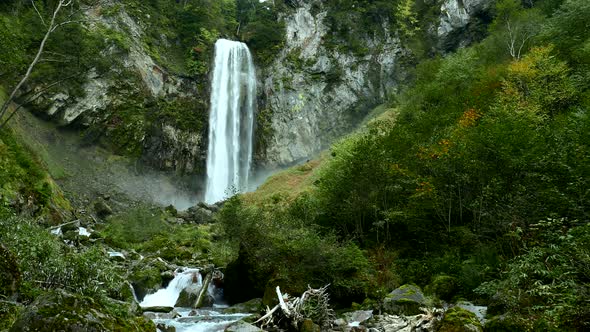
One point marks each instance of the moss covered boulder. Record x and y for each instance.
(252, 306)
(145, 279)
(458, 319)
(61, 311)
(444, 287)
(405, 300)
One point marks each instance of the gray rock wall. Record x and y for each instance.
(316, 94)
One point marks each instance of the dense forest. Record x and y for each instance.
(471, 181)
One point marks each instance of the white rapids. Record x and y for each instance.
(188, 319)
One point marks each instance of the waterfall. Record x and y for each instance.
(233, 102)
(167, 296)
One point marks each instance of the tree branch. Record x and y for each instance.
(52, 25)
(38, 13)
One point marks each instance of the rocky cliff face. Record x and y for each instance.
(132, 102)
(461, 22)
(316, 93)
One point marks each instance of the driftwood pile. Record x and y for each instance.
(293, 311)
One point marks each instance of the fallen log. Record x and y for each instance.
(203, 290)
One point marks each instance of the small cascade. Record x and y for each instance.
(210, 319)
(167, 297)
(231, 119)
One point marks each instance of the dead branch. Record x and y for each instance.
(313, 304)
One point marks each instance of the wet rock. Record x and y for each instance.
(165, 328)
(339, 322)
(479, 311)
(390, 323)
(242, 327)
(164, 309)
(358, 317)
(187, 298)
(405, 300)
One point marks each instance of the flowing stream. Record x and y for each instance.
(187, 319)
(233, 103)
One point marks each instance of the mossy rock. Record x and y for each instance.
(61, 311)
(507, 323)
(405, 300)
(186, 298)
(444, 286)
(145, 279)
(458, 319)
(309, 326)
(252, 306)
(10, 276)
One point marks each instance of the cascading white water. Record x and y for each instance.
(167, 296)
(233, 102)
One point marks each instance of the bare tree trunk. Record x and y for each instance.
(51, 28)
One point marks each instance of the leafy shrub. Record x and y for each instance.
(46, 263)
(266, 237)
(135, 226)
(543, 283)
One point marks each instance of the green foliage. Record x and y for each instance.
(457, 319)
(45, 263)
(13, 56)
(260, 28)
(134, 227)
(544, 282)
(146, 230)
(484, 146)
(22, 174)
(182, 113)
(266, 237)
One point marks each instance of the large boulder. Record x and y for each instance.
(358, 317)
(242, 327)
(198, 215)
(458, 319)
(188, 298)
(252, 306)
(146, 279)
(444, 286)
(406, 300)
